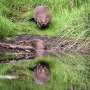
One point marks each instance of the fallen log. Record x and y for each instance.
(17, 47)
(16, 52)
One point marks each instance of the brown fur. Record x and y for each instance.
(42, 16)
(41, 74)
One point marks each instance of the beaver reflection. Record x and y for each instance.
(41, 73)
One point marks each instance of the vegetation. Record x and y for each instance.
(71, 18)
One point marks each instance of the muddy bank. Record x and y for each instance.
(60, 45)
(27, 47)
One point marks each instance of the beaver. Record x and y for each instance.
(42, 16)
(41, 73)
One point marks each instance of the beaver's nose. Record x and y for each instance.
(43, 24)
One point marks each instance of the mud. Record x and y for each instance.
(44, 45)
(60, 45)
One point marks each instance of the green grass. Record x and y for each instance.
(65, 71)
(68, 20)
(7, 28)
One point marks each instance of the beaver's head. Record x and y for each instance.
(43, 19)
(41, 74)
(43, 16)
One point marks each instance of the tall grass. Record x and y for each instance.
(66, 71)
(71, 18)
(7, 28)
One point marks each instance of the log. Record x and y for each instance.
(16, 47)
